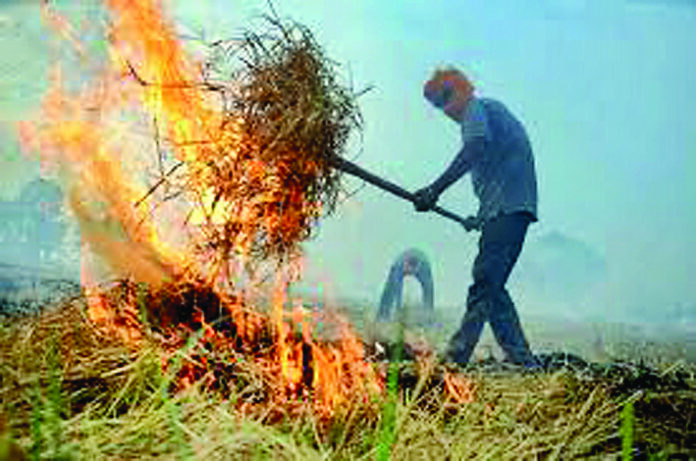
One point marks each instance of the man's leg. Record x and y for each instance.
(464, 340)
(506, 237)
(499, 246)
(508, 332)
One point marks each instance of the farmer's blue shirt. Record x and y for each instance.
(497, 152)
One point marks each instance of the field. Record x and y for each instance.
(68, 393)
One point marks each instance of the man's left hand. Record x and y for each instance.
(425, 199)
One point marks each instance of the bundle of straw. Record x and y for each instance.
(292, 116)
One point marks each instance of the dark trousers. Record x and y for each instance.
(393, 289)
(499, 247)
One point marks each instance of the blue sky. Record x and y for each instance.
(603, 87)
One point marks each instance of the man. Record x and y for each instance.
(498, 155)
(410, 262)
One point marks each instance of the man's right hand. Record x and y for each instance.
(425, 199)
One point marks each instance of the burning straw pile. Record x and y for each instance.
(260, 176)
(251, 152)
(246, 159)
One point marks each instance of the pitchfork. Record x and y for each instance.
(353, 169)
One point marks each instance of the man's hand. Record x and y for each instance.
(471, 222)
(425, 199)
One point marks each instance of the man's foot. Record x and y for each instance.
(558, 360)
(532, 364)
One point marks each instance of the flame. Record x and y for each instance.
(458, 388)
(84, 137)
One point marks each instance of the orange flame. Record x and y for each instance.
(83, 136)
(459, 388)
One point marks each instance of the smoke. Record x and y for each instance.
(560, 277)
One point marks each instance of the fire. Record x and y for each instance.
(81, 137)
(189, 252)
(458, 388)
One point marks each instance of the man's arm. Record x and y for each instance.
(461, 164)
(426, 198)
(475, 132)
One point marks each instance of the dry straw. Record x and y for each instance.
(291, 115)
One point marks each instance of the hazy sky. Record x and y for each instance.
(604, 88)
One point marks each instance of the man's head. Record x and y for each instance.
(449, 90)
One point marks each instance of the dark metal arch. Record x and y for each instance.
(411, 262)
